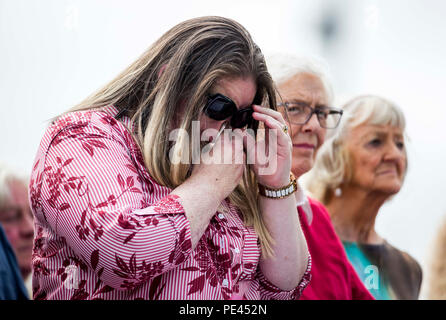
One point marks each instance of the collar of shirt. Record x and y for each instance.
(302, 201)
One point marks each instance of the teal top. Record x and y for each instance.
(368, 272)
(388, 273)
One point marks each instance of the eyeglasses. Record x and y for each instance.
(220, 107)
(301, 112)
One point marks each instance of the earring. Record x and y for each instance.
(338, 192)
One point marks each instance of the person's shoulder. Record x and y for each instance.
(314, 201)
(318, 208)
(3, 240)
(322, 221)
(96, 117)
(99, 122)
(401, 252)
(410, 261)
(11, 283)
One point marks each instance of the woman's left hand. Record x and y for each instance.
(270, 156)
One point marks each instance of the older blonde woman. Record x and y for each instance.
(117, 217)
(357, 170)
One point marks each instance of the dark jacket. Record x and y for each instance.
(11, 282)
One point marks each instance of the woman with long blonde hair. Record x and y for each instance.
(123, 212)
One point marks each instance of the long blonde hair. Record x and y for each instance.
(181, 67)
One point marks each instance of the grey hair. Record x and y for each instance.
(8, 176)
(333, 165)
(283, 66)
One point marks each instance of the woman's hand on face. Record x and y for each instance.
(272, 154)
(270, 157)
(222, 166)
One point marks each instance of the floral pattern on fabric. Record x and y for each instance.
(106, 230)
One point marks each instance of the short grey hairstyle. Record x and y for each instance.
(333, 164)
(284, 66)
(8, 176)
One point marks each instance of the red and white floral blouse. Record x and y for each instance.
(104, 229)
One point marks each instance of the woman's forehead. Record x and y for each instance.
(241, 90)
(378, 129)
(304, 87)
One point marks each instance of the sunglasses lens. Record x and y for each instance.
(242, 118)
(219, 107)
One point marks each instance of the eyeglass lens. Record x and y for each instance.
(300, 113)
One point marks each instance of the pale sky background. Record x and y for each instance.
(53, 53)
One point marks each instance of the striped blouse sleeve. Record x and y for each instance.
(93, 198)
(269, 291)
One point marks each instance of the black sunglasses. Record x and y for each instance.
(220, 107)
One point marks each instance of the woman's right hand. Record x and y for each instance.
(221, 167)
(211, 181)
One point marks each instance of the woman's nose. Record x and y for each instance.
(392, 152)
(311, 125)
(26, 226)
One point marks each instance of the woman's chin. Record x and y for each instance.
(302, 166)
(390, 190)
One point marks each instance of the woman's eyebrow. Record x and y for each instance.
(15, 209)
(10, 208)
(295, 100)
(376, 133)
(298, 101)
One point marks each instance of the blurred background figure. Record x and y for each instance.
(357, 170)
(16, 218)
(437, 267)
(305, 100)
(11, 282)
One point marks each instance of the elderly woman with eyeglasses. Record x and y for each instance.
(305, 98)
(357, 170)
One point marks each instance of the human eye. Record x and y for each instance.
(10, 216)
(375, 142)
(323, 113)
(400, 145)
(296, 107)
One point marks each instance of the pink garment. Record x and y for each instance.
(106, 230)
(332, 275)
